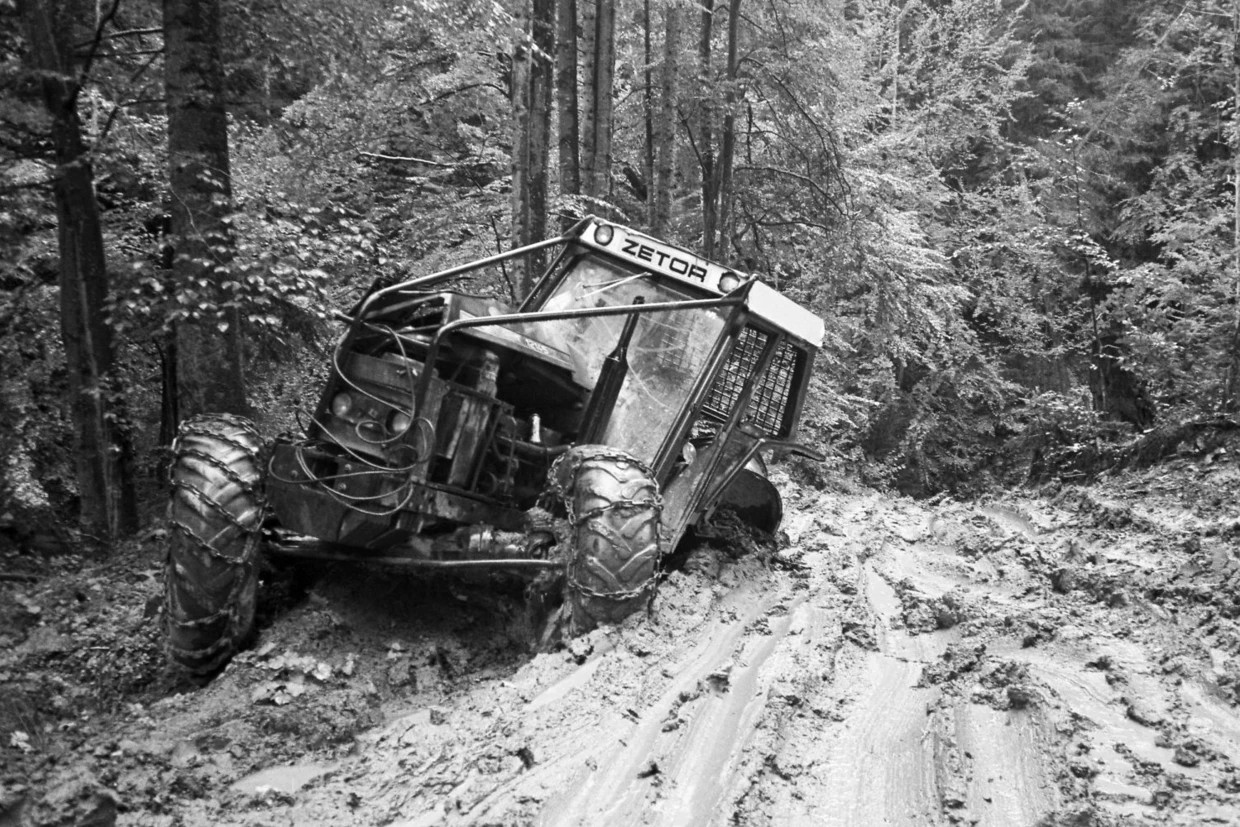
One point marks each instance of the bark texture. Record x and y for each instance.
(107, 502)
(519, 202)
(706, 130)
(210, 377)
(727, 144)
(566, 98)
(542, 77)
(665, 149)
(596, 160)
(533, 77)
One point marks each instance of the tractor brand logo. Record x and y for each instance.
(667, 259)
(664, 260)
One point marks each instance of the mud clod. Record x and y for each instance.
(1065, 579)
(957, 660)
(1143, 713)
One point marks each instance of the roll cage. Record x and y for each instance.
(754, 377)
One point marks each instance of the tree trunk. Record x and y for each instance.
(542, 75)
(648, 108)
(589, 60)
(597, 175)
(520, 203)
(209, 353)
(566, 101)
(706, 143)
(108, 507)
(727, 147)
(665, 153)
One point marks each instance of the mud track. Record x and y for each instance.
(1065, 659)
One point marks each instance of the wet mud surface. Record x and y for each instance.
(1059, 657)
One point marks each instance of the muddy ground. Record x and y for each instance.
(1065, 656)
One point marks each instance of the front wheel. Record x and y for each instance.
(614, 509)
(215, 515)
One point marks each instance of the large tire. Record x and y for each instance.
(614, 510)
(215, 515)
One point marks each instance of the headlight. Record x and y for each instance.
(399, 422)
(342, 403)
(603, 234)
(729, 282)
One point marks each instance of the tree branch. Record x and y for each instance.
(406, 159)
(126, 33)
(137, 53)
(90, 55)
(460, 89)
(805, 179)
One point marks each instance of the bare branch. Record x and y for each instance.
(90, 54)
(137, 53)
(461, 89)
(126, 33)
(787, 173)
(406, 159)
(140, 102)
(142, 69)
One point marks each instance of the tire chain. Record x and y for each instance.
(197, 427)
(577, 459)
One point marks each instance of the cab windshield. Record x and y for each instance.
(668, 351)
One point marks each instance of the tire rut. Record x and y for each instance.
(885, 749)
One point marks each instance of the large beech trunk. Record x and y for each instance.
(209, 370)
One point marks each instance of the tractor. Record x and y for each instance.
(570, 441)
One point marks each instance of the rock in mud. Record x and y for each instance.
(1186, 757)
(1143, 713)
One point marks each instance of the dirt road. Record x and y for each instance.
(1061, 659)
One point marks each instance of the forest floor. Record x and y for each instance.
(1064, 656)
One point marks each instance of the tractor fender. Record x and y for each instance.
(753, 497)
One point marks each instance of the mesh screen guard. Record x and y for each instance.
(768, 409)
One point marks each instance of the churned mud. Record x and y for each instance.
(1060, 657)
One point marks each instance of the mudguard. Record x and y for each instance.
(754, 498)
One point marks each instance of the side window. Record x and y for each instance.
(772, 396)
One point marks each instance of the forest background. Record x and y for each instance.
(1021, 221)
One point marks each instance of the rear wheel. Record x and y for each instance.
(215, 515)
(614, 508)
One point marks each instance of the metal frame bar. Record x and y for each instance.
(444, 275)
